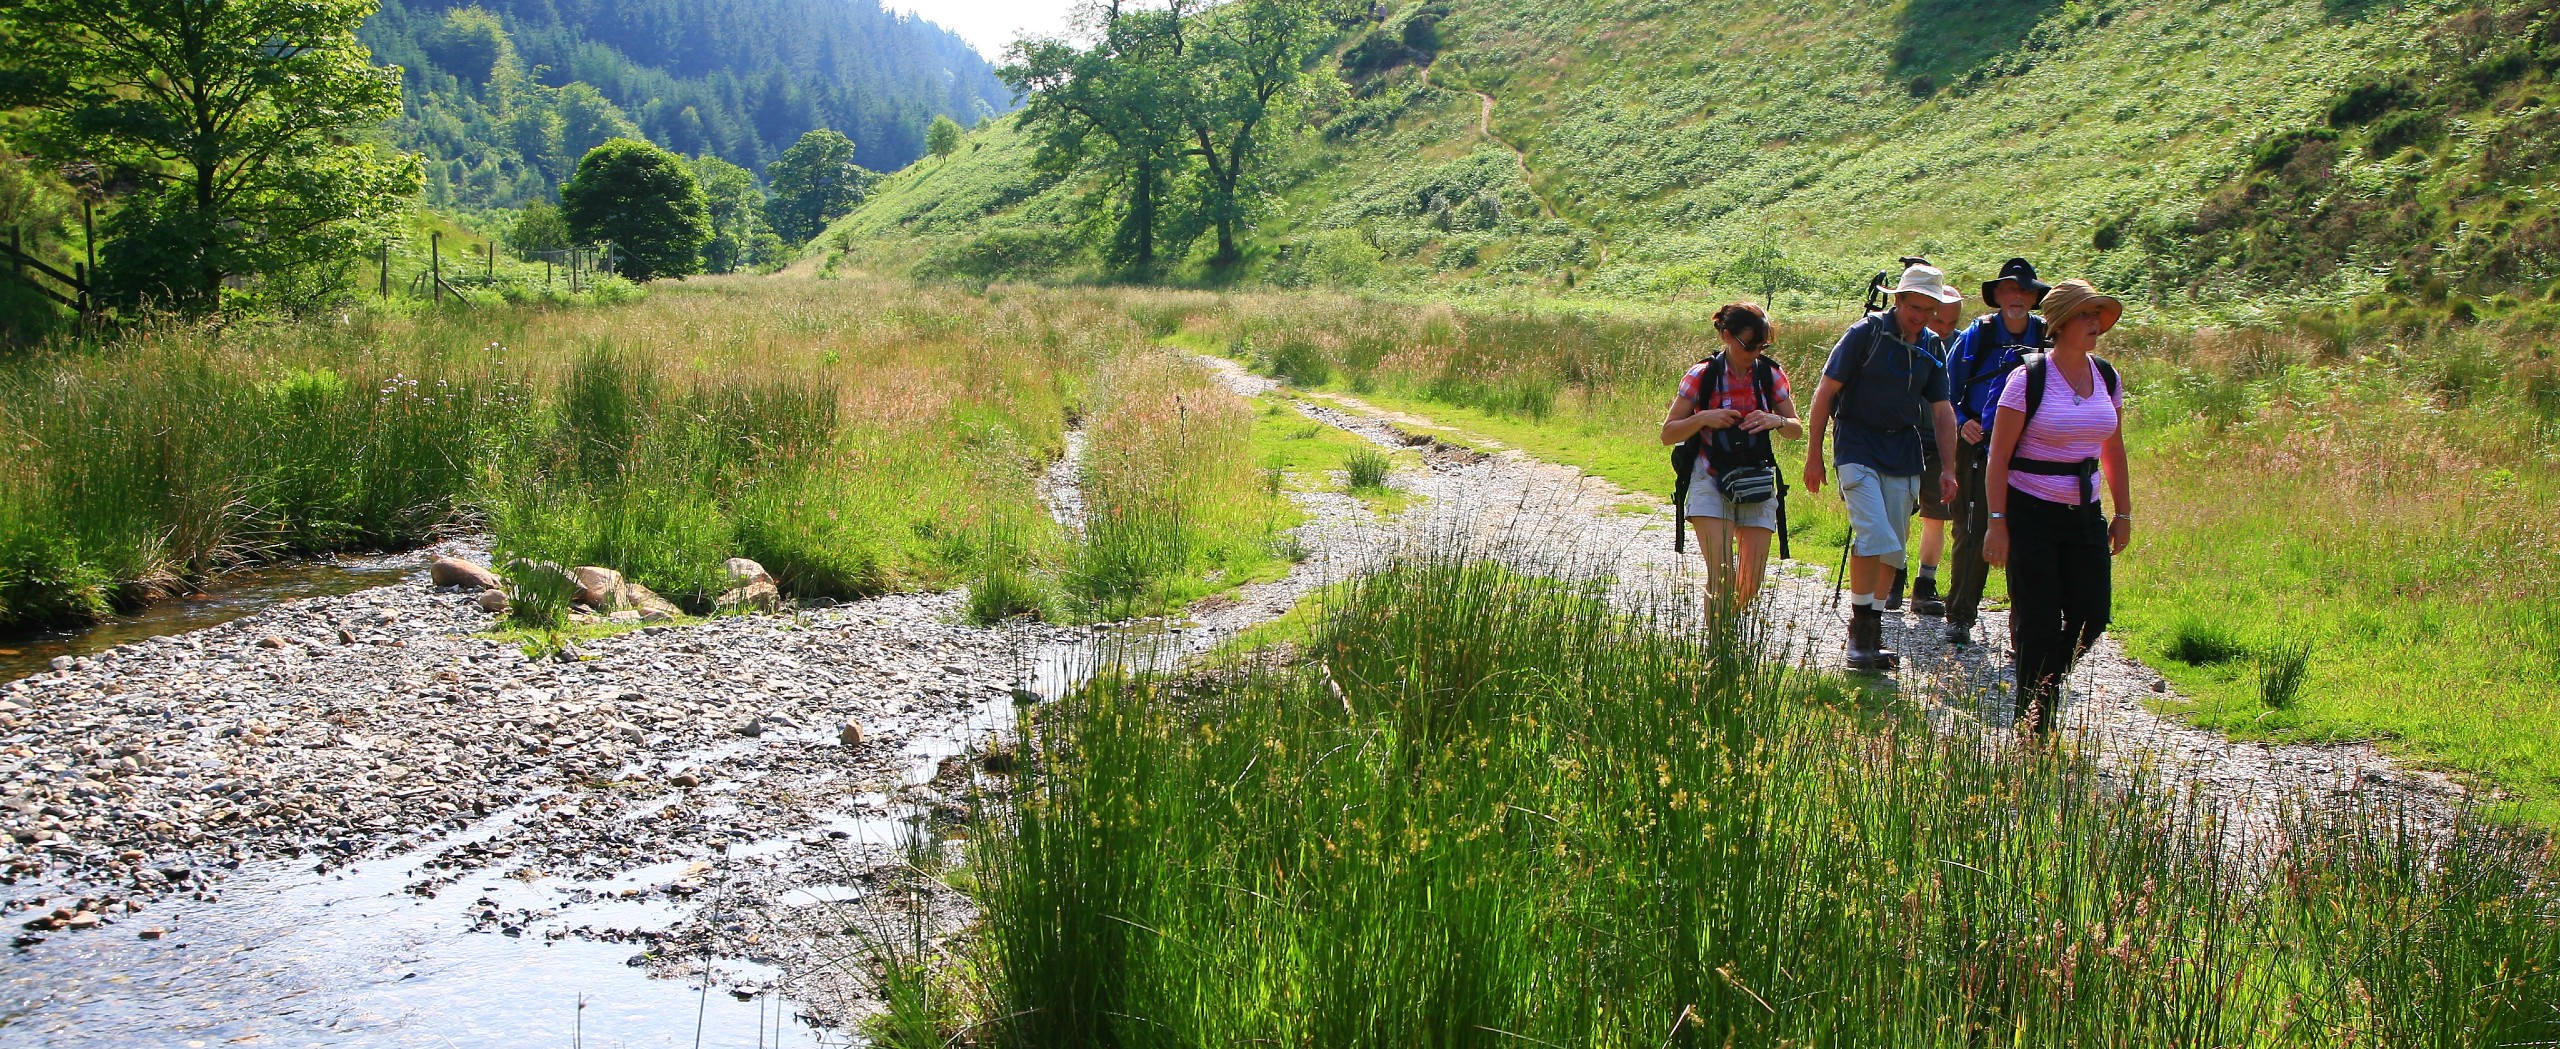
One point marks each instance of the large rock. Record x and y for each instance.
(652, 608)
(454, 571)
(598, 588)
(759, 596)
(491, 600)
(744, 572)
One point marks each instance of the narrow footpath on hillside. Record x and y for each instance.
(415, 833)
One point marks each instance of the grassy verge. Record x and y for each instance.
(1492, 811)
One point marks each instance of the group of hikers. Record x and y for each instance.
(1998, 431)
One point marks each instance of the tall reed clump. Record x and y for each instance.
(1487, 809)
(142, 464)
(1175, 503)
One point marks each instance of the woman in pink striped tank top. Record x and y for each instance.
(2060, 425)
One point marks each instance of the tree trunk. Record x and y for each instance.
(1142, 212)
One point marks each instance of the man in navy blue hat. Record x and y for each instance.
(1977, 368)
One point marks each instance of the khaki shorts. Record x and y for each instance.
(1705, 500)
(1879, 511)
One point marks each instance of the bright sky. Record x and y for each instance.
(989, 25)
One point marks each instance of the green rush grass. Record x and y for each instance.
(1488, 810)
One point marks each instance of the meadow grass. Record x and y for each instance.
(855, 437)
(2383, 496)
(1486, 809)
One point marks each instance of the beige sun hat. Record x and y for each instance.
(1928, 280)
(2073, 297)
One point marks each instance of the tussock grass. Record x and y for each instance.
(1488, 809)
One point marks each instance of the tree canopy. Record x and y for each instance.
(814, 183)
(643, 199)
(247, 122)
(1170, 108)
(942, 137)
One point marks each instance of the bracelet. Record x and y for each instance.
(1997, 515)
(2124, 517)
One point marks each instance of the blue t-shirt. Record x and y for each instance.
(1984, 354)
(1877, 367)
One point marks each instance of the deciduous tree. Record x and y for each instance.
(644, 200)
(814, 183)
(248, 122)
(942, 136)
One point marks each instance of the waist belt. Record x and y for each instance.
(2086, 470)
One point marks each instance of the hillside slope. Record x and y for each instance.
(740, 79)
(2187, 150)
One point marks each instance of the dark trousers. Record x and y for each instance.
(2060, 590)
(1970, 571)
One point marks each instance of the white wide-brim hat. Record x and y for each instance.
(1926, 280)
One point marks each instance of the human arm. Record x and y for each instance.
(1945, 417)
(1782, 419)
(1686, 420)
(2119, 491)
(2005, 428)
(1816, 421)
(1960, 372)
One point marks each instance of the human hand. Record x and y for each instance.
(1947, 486)
(2119, 534)
(1761, 422)
(1972, 432)
(1995, 543)
(1813, 473)
(1718, 418)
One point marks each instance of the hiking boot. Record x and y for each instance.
(1866, 641)
(1893, 601)
(1958, 634)
(1924, 597)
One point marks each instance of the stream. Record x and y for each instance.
(224, 598)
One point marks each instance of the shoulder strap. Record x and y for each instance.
(2108, 372)
(1764, 382)
(1713, 380)
(2036, 371)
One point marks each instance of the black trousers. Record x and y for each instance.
(2061, 581)
(1969, 572)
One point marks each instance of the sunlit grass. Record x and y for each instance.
(1483, 809)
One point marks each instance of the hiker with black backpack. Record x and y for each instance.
(1726, 467)
(2060, 424)
(1886, 383)
(1977, 371)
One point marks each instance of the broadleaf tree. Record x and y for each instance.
(1244, 60)
(736, 207)
(815, 182)
(1113, 109)
(247, 123)
(643, 200)
(942, 136)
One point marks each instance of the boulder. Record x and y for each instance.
(598, 588)
(492, 600)
(849, 734)
(454, 571)
(743, 572)
(652, 608)
(759, 596)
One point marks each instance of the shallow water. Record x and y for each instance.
(288, 957)
(292, 958)
(224, 599)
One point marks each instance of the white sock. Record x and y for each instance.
(1863, 601)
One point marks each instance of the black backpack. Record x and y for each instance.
(2038, 370)
(1732, 449)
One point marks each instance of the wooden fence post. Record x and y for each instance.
(435, 265)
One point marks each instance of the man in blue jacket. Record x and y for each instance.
(1977, 368)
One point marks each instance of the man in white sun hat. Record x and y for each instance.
(1886, 384)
